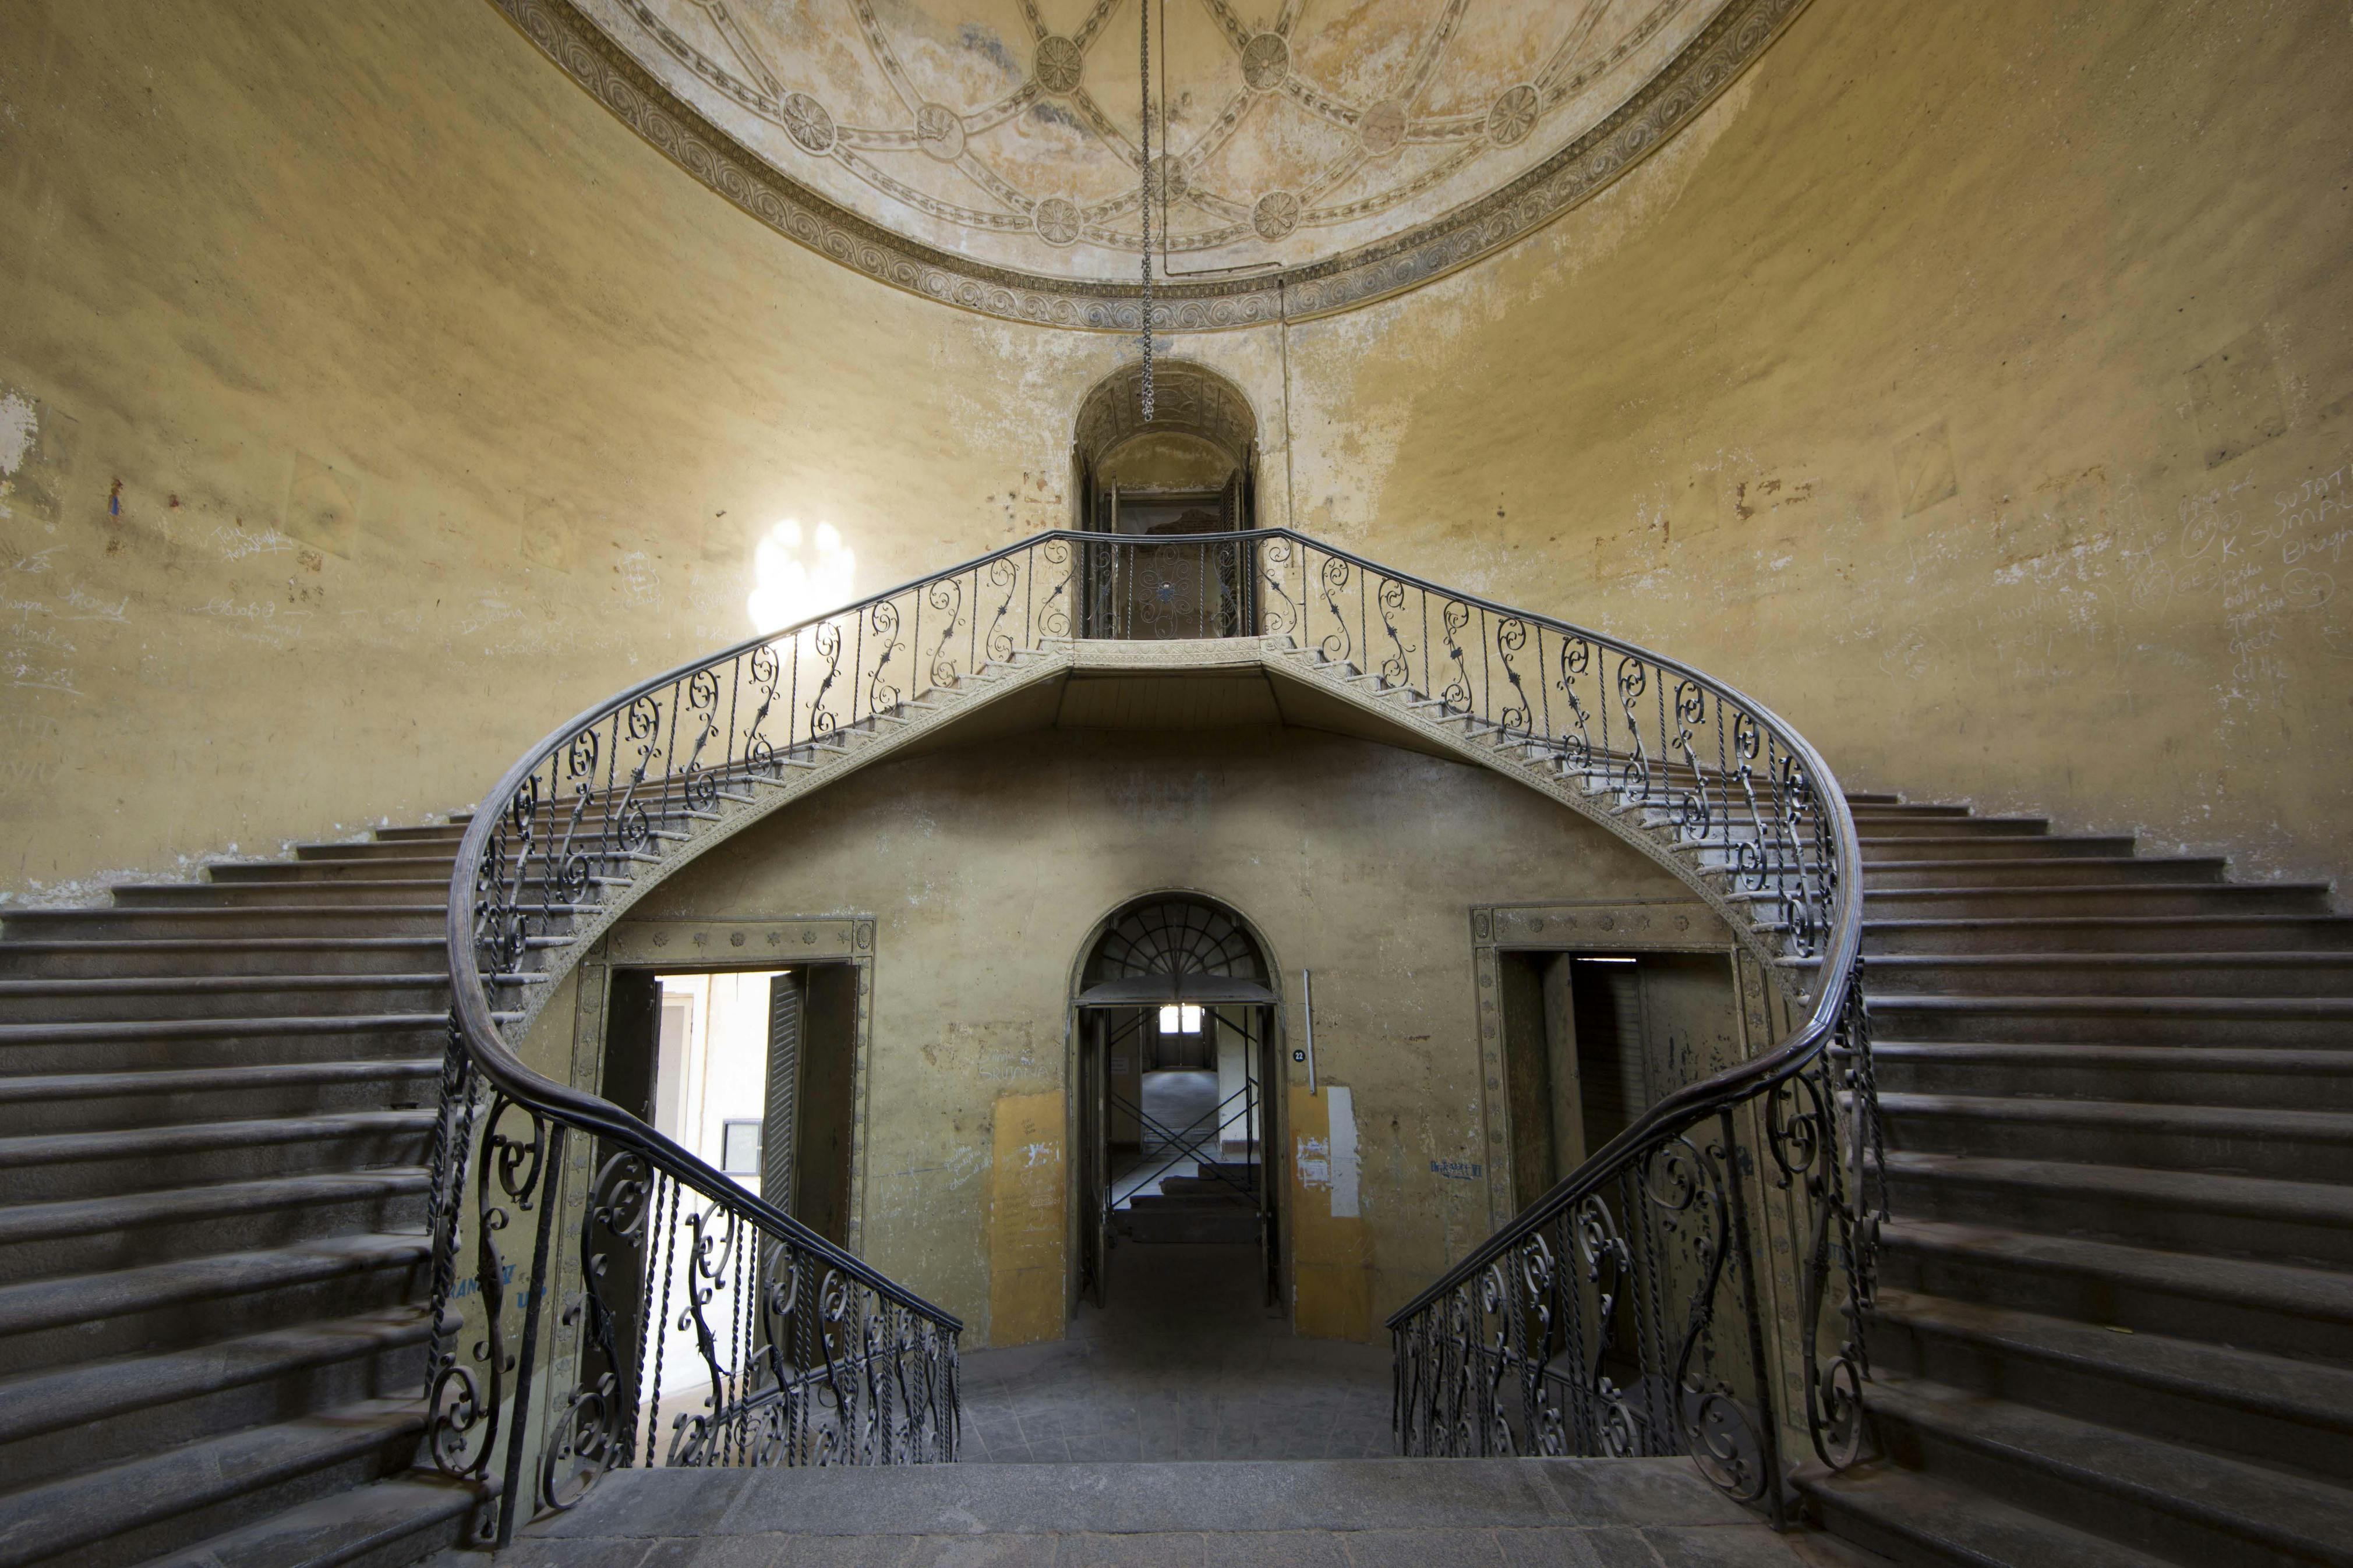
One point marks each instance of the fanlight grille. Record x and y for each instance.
(1175, 936)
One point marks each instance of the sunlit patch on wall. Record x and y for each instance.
(799, 573)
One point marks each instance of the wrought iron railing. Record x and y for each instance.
(806, 1356)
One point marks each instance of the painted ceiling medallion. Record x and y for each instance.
(1308, 157)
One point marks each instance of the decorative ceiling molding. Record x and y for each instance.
(1669, 100)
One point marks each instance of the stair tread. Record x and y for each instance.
(49, 1400)
(2242, 1120)
(126, 1211)
(2298, 1391)
(2288, 1513)
(79, 1298)
(182, 1028)
(2251, 1196)
(194, 944)
(59, 1515)
(2029, 1002)
(59, 1148)
(2264, 958)
(2161, 1059)
(2038, 924)
(207, 985)
(335, 1528)
(2011, 890)
(2307, 1292)
(2043, 862)
(31, 1086)
(1970, 1526)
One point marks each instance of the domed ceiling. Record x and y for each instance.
(1308, 154)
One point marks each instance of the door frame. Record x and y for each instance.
(1274, 1142)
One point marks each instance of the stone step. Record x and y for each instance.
(1439, 1513)
(265, 956)
(53, 1322)
(1189, 1225)
(2277, 1309)
(86, 1101)
(377, 892)
(425, 867)
(126, 1230)
(51, 1167)
(55, 1423)
(1914, 1520)
(367, 849)
(2292, 1414)
(2061, 974)
(122, 1515)
(384, 1524)
(2038, 871)
(2251, 1076)
(2307, 1223)
(2159, 1497)
(2116, 933)
(138, 1044)
(2318, 1023)
(1890, 808)
(341, 919)
(1959, 848)
(1911, 822)
(1973, 899)
(2218, 1139)
(153, 996)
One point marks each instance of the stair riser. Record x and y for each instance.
(394, 1371)
(359, 997)
(380, 1460)
(2153, 1224)
(1941, 847)
(98, 1112)
(1238, 1227)
(2096, 1299)
(2120, 1027)
(64, 1257)
(372, 849)
(146, 1174)
(226, 1316)
(2195, 1419)
(2057, 1080)
(1882, 823)
(1841, 1518)
(2055, 872)
(2281, 1156)
(428, 956)
(138, 1056)
(2201, 936)
(2123, 899)
(119, 922)
(277, 895)
(2189, 975)
(2043, 1489)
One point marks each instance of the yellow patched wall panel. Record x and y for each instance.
(1024, 1221)
(1330, 1254)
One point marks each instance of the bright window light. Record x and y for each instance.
(1593, 958)
(1180, 1018)
(794, 576)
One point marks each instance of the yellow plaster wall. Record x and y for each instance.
(1973, 385)
(986, 868)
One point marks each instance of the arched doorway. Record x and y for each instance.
(1189, 469)
(1175, 1024)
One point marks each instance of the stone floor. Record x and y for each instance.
(1184, 1363)
(1365, 1513)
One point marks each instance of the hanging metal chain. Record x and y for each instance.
(1143, 127)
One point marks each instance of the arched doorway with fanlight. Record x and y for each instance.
(1174, 1019)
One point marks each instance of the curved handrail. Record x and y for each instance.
(1071, 583)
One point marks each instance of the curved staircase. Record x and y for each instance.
(2116, 1321)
